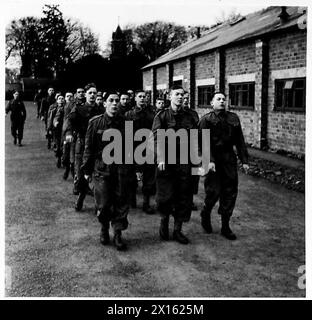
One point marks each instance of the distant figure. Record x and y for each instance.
(37, 100)
(131, 98)
(18, 117)
(99, 103)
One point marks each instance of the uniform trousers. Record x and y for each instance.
(111, 198)
(174, 191)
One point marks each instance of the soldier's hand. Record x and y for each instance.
(245, 167)
(55, 124)
(139, 176)
(88, 178)
(69, 138)
(212, 167)
(161, 166)
(42, 118)
(201, 171)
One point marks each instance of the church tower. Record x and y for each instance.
(119, 45)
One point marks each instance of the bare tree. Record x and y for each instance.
(22, 38)
(81, 40)
(154, 39)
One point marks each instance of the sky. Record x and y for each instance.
(103, 16)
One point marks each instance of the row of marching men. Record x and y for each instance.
(76, 127)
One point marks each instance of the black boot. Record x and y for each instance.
(75, 187)
(146, 206)
(225, 230)
(66, 172)
(15, 141)
(164, 228)
(19, 143)
(58, 162)
(206, 220)
(72, 170)
(120, 245)
(104, 236)
(49, 143)
(90, 191)
(177, 233)
(79, 202)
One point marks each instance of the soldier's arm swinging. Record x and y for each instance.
(241, 147)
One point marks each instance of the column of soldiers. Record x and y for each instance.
(76, 127)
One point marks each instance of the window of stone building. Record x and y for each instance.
(242, 95)
(290, 94)
(177, 83)
(205, 94)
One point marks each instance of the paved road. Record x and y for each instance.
(51, 250)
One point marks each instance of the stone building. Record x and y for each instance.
(259, 61)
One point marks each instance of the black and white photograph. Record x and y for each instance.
(154, 150)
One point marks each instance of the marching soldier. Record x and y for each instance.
(160, 105)
(99, 103)
(50, 129)
(110, 185)
(77, 121)
(57, 124)
(221, 182)
(59, 119)
(173, 181)
(124, 104)
(18, 117)
(79, 100)
(142, 116)
(131, 98)
(45, 104)
(37, 100)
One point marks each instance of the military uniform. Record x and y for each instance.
(44, 109)
(18, 117)
(37, 99)
(77, 121)
(45, 104)
(143, 119)
(222, 185)
(110, 180)
(123, 110)
(174, 187)
(50, 129)
(68, 159)
(57, 124)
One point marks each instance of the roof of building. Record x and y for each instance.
(252, 25)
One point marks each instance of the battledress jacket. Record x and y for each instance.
(225, 133)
